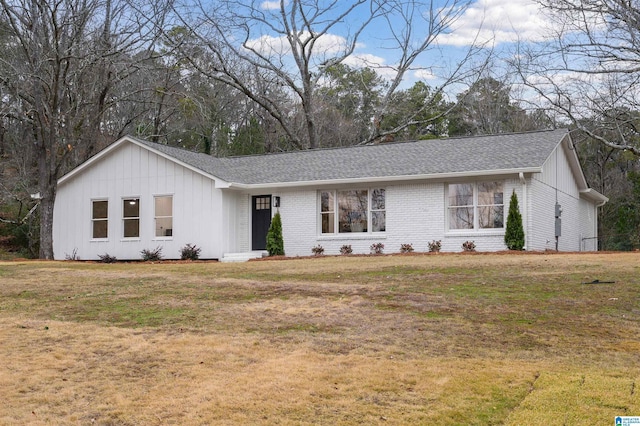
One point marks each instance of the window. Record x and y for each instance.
(327, 212)
(378, 215)
(164, 216)
(263, 203)
(355, 210)
(476, 206)
(99, 219)
(131, 217)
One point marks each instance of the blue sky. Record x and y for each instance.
(496, 23)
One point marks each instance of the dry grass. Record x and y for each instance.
(416, 339)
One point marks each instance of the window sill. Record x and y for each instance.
(353, 236)
(162, 239)
(475, 233)
(130, 240)
(99, 240)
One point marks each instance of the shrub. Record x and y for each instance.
(346, 249)
(469, 246)
(514, 234)
(406, 248)
(190, 252)
(275, 243)
(152, 255)
(317, 250)
(106, 258)
(435, 246)
(72, 256)
(377, 248)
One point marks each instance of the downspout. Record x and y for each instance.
(525, 216)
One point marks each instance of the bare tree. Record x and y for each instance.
(287, 47)
(588, 71)
(66, 59)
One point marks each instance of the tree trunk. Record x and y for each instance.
(46, 224)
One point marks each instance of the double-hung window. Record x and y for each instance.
(475, 205)
(164, 215)
(99, 219)
(131, 217)
(352, 211)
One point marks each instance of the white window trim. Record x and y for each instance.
(122, 237)
(93, 220)
(337, 235)
(476, 229)
(162, 238)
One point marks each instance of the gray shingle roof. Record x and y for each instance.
(429, 157)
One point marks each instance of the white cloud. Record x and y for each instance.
(270, 5)
(497, 21)
(326, 45)
(360, 60)
(268, 45)
(424, 75)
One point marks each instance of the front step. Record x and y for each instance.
(243, 257)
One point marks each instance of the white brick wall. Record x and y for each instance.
(415, 214)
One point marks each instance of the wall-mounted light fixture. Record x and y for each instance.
(276, 201)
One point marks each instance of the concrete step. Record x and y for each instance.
(243, 257)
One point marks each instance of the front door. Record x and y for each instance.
(260, 221)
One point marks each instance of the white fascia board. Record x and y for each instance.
(219, 183)
(181, 163)
(402, 178)
(93, 159)
(574, 162)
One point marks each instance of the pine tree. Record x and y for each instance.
(514, 234)
(275, 243)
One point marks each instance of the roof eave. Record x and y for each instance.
(219, 183)
(593, 195)
(379, 179)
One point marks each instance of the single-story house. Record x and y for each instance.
(137, 195)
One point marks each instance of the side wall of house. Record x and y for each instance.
(134, 172)
(588, 226)
(416, 214)
(557, 183)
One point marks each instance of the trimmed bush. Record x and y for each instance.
(151, 255)
(346, 249)
(435, 246)
(377, 248)
(190, 252)
(275, 243)
(406, 248)
(107, 258)
(317, 250)
(469, 246)
(514, 234)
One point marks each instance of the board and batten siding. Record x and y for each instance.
(556, 182)
(588, 226)
(131, 171)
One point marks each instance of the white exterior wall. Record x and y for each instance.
(219, 220)
(588, 226)
(486, 239)
(415, 214)
(131, 171)
(556, 182)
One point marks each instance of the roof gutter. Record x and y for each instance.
(401, 178)
(594, 195)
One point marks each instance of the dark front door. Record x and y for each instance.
(260, 221)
